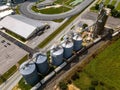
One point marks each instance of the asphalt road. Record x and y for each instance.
(25, 9)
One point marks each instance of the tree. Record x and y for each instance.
(94, 82)
(97, 6)
(114, 13)
(84, 25)
(91, 88)
(110, 6)
(63, 85)
(118, 15)
(75, 76)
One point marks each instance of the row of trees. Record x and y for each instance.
(114, 12)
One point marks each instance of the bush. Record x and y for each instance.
(75, 76)
(95, 83)
(69, 81)
(110, 6)
(84, 26)
(118, 15)
(115, 13)
(91, 88)
(101, 83)
(63, 85)
(97, 6)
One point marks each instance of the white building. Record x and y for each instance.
(4, 7)
(21, 25)
(5, 13)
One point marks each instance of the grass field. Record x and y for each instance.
(66, 2)
(53, 10)
(118, 6)
(107, 2)
(113, 2)
(103, 72)
(23, 86)
(70, 3)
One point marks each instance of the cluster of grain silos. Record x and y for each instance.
(39, 63)
(31, 69)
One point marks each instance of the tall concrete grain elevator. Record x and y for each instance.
(101, 20)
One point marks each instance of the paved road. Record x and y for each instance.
(19, 44)
(25, 9)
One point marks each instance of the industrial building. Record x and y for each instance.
(4, 7)
(6, 13)
(101, 21)
(21, 25)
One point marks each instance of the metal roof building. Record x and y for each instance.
(21, 25)
(4, 7)
(5, 13)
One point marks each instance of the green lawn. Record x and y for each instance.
(23, 86)
(76, 2)
(104, 69)
(118, 6)
(113, 2)
(107, 2)
(58, 20)
(53, 10)
(69, 2)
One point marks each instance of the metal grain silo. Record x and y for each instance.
(77, 40)
(41, 63)
(29, 72)
(57, 55)
(67, 45)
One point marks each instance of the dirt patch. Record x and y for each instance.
(72, 87)
(16, 88)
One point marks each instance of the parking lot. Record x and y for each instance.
(10, 54)
(111, 22)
